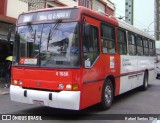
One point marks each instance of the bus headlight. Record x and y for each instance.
(68, 87)
(61, 86)
(15, 82)
(75, 87)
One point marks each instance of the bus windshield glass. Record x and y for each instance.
(48, 45)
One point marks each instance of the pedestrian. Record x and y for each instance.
(8, 65)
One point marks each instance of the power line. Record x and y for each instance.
(135, 20)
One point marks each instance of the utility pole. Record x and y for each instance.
(157, 19)
(129, 11)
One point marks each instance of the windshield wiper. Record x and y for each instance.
(31, 31)
(52, 31)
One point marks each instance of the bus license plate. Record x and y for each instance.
(38, 102)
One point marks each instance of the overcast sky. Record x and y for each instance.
(143, 14)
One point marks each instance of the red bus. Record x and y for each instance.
(73, 57)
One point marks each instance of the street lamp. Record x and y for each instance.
(149, 26)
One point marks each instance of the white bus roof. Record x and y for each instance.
(133, 29)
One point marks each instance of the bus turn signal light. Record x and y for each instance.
(19, 82)
(75, 87)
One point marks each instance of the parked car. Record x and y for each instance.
(158, 71)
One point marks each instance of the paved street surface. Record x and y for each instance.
(133, 102)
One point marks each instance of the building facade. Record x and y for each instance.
(129, 11)
(105, 6)
(5, 20)
(157, 19)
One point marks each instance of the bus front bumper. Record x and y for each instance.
(62, 99)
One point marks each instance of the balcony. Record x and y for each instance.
(69, 2)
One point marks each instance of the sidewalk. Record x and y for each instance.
(3, 91)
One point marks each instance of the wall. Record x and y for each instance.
(110, 11)
(110, 4)
(98, 6)
(51, 4)
(16, 7)
(2, 7)
(69, 2)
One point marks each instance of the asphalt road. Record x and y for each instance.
(134, 102)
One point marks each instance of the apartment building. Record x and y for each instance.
(157, 19)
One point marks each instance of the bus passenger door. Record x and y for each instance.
(91, 71)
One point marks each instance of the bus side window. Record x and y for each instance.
(132, 44)
(90, 45)
(108, 39)
(122, 44)
(139, 46)
(146, 46)
(151, 48)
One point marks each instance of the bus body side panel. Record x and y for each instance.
(94, 77)
(128, 73)
(133, 69)
(146, 63)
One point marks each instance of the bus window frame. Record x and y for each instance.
(49, 22)
(125, 42)
(140, 37)
(83, 38)
(147, 40)
(135, 36)
(153, 47)
(102, 38)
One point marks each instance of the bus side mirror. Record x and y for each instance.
(10, 32)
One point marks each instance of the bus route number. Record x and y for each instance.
(62, 74)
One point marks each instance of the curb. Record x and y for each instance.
(4, 92)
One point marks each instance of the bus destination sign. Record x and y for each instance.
(48, 15)
(53, 15)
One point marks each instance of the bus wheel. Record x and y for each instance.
(107, 95)
(145, 81)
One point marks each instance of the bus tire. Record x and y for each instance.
(107, 95)
(145, 82)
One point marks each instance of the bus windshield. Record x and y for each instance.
(48, 45)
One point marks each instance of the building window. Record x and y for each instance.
(85, 3)
(49, 6)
